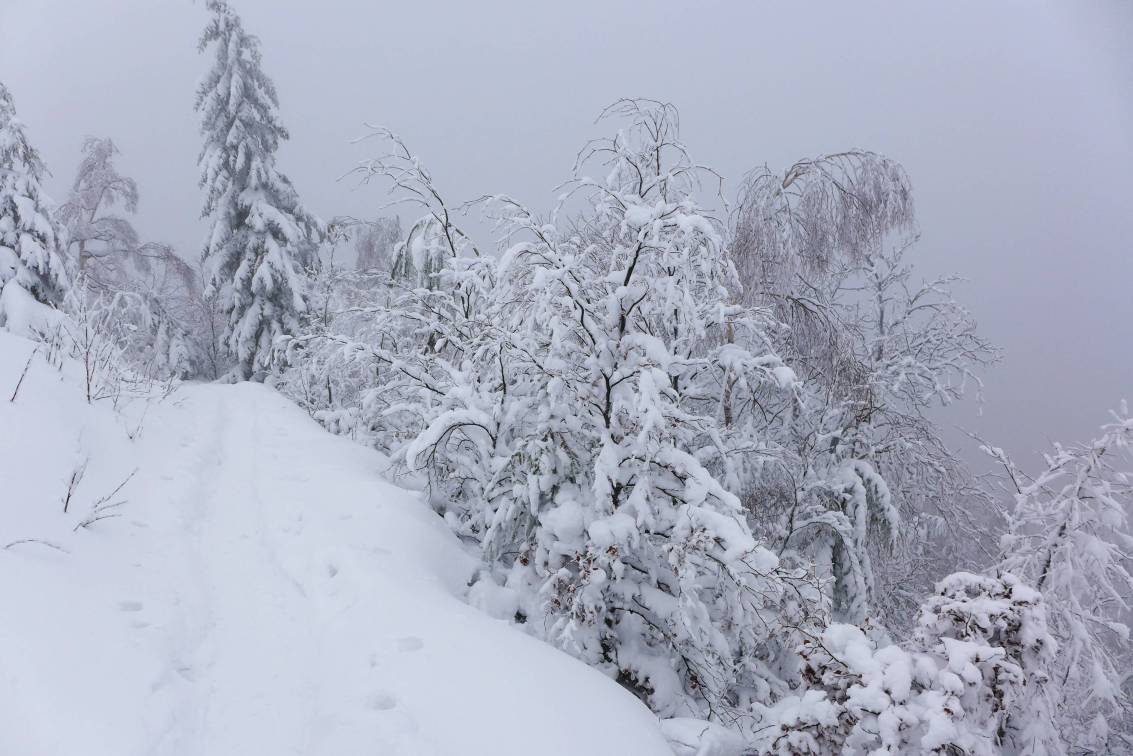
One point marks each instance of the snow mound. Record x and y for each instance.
(249, 584)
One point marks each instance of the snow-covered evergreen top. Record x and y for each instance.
(29, 239)
(261, 235)
(239, 107)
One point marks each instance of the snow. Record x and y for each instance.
(263, 590)
(695, 737)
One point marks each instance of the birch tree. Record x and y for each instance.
(824, 246)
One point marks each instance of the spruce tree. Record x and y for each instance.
(29, 238)
(260, 234)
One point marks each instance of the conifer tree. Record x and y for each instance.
(29, 238)
(261, 235)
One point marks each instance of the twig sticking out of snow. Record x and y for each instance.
(23, 375)
(73, 483)
(40, 541)
(100, 510)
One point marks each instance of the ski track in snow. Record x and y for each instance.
(266, 592)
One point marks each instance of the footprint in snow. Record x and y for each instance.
(133, 607)
(410, 643)
(382, 702)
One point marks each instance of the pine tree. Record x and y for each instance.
(261, 235)
(29, 238)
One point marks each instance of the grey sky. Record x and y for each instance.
(1014, 120)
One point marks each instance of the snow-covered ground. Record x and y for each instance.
(262, 591)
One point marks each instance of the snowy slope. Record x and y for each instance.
(264, 591)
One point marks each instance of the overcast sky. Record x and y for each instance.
(1013, 119)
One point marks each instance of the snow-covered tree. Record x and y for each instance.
(824, 247)
(375, 360)
(973, 680)
(145, 285)
(30, 258)
(581, 439)
(94, 232)
(1068, 535)
(261, 236)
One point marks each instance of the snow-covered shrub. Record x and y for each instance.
(154, 344)
(582, 406)
(972, 681)
(1013, 699)
(326, 369)
(581, 438)
(379, 349)
(91, 334)
(123, 341)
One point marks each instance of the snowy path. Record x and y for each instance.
(266, 592)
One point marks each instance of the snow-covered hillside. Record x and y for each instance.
(259, 589)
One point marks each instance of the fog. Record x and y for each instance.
(1014, 121)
